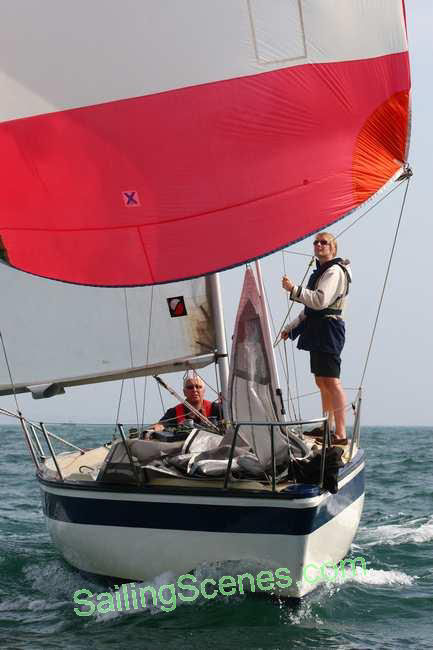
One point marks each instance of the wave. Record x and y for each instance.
(378, 577)
(413, 532)
(334, 578)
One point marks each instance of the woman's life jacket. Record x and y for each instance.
(321, 330)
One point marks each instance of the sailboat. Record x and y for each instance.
(141, 155)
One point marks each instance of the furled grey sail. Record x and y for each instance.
(252, 389)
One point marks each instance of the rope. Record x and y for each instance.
(369, 210)
(216, 391)
(147, 356)
(131, 355)
(290, 407)
(385, 281)
(291, 306)
(144, 402)
(374, 205)
(285, 363)
(286, 252)
(290, 404)
(118, 405)
(217, 383)
(295, 370)
(10, 373)
(317, 392)
(292, 346)
(160, 397)
(274, 329)
(289, 398)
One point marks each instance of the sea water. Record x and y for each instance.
(389, 606)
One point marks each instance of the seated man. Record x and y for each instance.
(193, 389)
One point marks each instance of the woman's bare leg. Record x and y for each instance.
(326, 397)
(336, 400)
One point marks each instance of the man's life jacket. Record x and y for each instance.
(182, 412)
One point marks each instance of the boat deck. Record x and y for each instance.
(79, 467)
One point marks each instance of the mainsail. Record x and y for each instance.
(146, 142)
(60, 335)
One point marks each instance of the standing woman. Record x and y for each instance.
(320, 325)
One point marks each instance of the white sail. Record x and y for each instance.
(59, 335)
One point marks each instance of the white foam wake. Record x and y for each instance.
(167, 598)
(413, 532)
(377, 577)
(103, 613)
(359, 575)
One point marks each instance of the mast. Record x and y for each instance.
(271, 352)
(220, 336)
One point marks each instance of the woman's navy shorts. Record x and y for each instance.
(324, 364)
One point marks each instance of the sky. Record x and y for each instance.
(398, 385)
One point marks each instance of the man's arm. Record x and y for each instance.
(169, 415)
(168, 418)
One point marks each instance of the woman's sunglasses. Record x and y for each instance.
(321, 241)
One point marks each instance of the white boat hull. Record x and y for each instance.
(112, 533)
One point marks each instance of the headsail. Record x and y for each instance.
(202, 135)
(252, 389)
(64, 335)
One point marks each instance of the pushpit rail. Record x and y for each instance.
(30, 430)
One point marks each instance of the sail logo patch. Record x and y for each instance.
(131, 199)
(177, 307)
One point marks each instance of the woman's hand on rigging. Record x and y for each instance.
(287, 284)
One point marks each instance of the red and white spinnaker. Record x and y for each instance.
(146, 142)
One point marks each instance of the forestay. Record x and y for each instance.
(65, 335)
(144, 142)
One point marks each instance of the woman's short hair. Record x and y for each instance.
(330, 237)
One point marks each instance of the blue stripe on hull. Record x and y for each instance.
(227, 518)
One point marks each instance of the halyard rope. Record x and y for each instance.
(10, 373)
(118, 405)
(147, 356)
(385, 281)
(284, 362)
(292, 347)
(131, 355)
(277, 338)
(407, 179)
(369, 209)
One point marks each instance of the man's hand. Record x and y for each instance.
(287, 284)
(284, 335)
